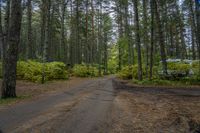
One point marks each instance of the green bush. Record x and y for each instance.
(126, 72)
(180, 67)
(135, 72)
(195, 64)
(33, 71)
(56, 70)
(195, 67)
(175, 70)
(131, 72)
(84, 70)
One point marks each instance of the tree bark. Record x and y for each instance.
(63, 49)
(9, 75)
(152, 39)
(198, 24)
(138, 43)
(197, 8)
(161, 38)
(145, 35)
(1, 33)
(193, 28)
(30, 39)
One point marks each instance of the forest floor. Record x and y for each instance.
(102, 105)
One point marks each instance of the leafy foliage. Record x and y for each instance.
(195, 66)
(32, 71)
(181, 67)
(126, 72)
(160, 82)
(84, 70)
(176, 70)
(131, 72)
(113, 60)
(135, 72)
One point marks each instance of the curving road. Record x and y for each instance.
(94, 106)
(83, 109)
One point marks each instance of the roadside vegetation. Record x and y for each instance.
(179, 73)
(34, 71)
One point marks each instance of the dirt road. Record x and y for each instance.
(156, 109)
(106, 106)
(83, 109)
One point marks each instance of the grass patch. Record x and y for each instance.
(12, 100)
(155, 82)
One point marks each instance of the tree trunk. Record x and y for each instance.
(198, 28)
(62, 41)
(198, 24)
(1, 33)
(93, 51)
(9, 75)
(161, 38)
(138, 43)
(43, 24)
(152, 39)
(127, 31)
(78, 50)
(145, 35)
(29, 21)
(193, 28)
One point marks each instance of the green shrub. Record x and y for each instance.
(56, 70)
(195, 64)
(175, 70)
(33, 71)
(135, 72)
(84, 70)
(180, 67)
(131, 72)
(195, 67)
(126, 72)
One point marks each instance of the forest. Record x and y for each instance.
(99, 66)
(142, 40)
